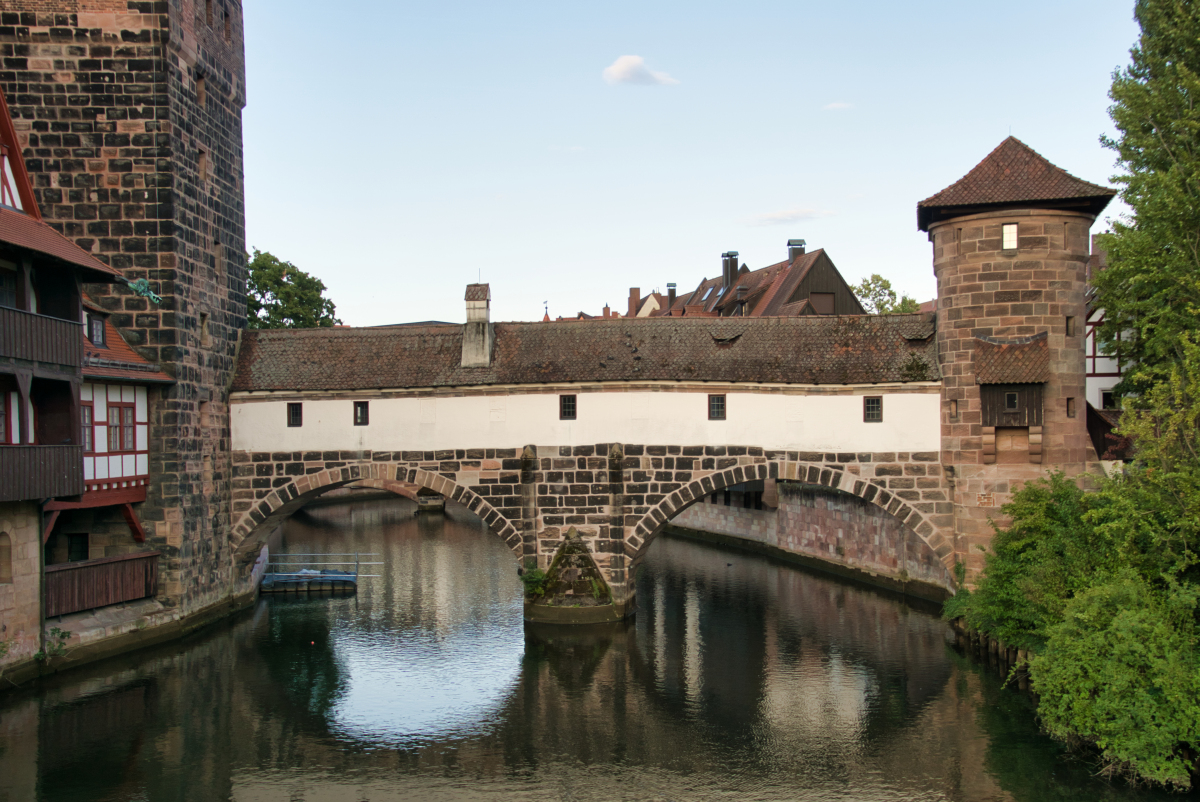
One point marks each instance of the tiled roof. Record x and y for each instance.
(1012, 173)
(116, 360)
(807, 350)
(478, 292)
(1023, 361)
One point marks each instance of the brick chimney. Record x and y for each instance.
(729, 269)
(635, 300)
(795, 249)
(478, 335)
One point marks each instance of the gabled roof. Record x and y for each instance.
(1013, 174)
(823, 349)
(21, 224)
(115, 359)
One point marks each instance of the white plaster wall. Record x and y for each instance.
(808, 423)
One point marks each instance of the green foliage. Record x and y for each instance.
(1047, 555)
(878, 298)
(280, 295)
(535, 582)
(1150, 292)
(55, 645)
(599, 590)
(1121, 669)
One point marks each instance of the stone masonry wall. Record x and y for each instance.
(21, 599)
(617, 496)
(985, 291)
(833, 527)
(129, 115)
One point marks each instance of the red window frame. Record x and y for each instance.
(122, 434)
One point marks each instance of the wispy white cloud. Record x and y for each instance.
(633, 70)
(786, 216)
(837, 104)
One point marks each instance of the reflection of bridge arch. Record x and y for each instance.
(819, 474)
(255, 524)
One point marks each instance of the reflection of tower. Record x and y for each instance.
(1010, 249)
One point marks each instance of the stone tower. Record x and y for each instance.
(1010, 249)
(129, 115)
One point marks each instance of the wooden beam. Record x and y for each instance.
(135, 526)
(50, 526)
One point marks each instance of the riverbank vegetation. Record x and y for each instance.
(1102, 588)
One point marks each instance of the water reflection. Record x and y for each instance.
(738, 678)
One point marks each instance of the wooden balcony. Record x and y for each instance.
(39, 338)
(33, 473)
(88, 584)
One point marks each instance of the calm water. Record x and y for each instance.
(739, 679)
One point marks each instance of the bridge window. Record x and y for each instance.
(566, 407)
(120, 427)
(716, 407)
(873, 409)
(362, 413)
(295, 414)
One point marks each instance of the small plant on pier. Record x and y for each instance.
(535, 582)
(56, 645)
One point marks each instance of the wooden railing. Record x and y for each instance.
(40, 472)
(39, 338)
(85, 585)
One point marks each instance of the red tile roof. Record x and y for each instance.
(1011, 174)
(1021, 361)
(117, 360)
(804, 350)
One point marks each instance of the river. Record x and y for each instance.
(739, 679)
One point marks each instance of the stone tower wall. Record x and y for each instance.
(984, 291)
(105, 99)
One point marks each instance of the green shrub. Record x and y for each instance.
(535, 582)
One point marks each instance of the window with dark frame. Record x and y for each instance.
(96, 329)
(295, 414)
(1010, 402)
(873, 409)
(566, 407)
(716, 407)
(362, 413)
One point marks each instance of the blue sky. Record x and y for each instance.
(401, 150)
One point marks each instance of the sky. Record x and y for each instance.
(565, 152)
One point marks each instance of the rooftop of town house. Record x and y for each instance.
(802, 350)
(1013, 173)
(115, 359)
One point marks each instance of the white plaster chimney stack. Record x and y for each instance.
(478, 335)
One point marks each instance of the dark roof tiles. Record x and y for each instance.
(1026, 361)
(811, 350)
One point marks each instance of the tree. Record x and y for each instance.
(878, 297)
(1150, 291)
(282, 296)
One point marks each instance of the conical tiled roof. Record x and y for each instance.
(1012, 174)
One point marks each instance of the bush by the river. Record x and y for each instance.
(1102, 588)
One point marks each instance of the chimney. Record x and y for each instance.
(741, 300)
(606, 311)
(729, 268)
(795, 249)
(478, 334)
(670, 296)
(635, 300)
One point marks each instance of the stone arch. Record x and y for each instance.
(256, 524)
(835, 478)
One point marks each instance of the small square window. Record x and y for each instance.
(1008, 236)
(1070, 407)
(873, 409)
(716, 407)
(295, 414)
(362, 413)
(1010, 402)
(566, 407)
(1108, 400)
